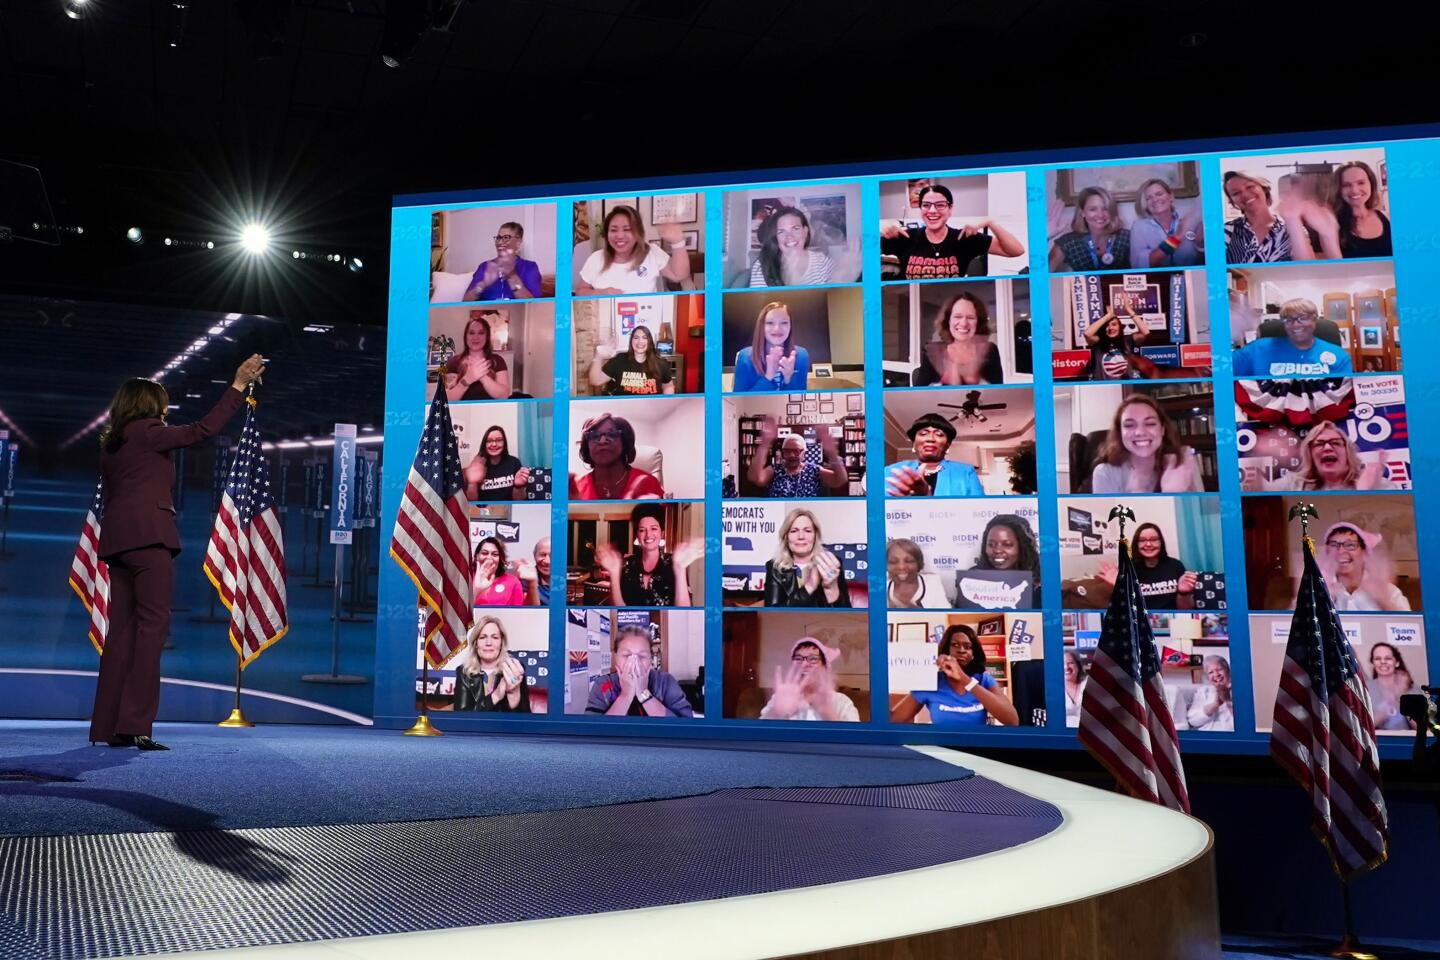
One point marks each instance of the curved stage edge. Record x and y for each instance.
(1117, 877)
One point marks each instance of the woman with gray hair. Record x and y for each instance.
(1329, 460)
(1213, 706)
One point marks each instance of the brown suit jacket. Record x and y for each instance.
(139, 475)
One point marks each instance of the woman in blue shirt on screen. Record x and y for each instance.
(773, 361)
(964, 694)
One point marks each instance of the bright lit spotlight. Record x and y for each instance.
(135, 235)
(356, 264)
(295, 254)
(75, 9)
(255, 238)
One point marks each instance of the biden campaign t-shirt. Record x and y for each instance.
(1278, 357)
(951, 708)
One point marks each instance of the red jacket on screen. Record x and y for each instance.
(139, 475)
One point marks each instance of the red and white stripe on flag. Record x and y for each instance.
(246, 563)
(432, 545)
(1127, 726)
(90, 577)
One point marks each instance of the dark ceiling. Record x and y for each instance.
(188, 141)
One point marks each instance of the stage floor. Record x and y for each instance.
(913, 843)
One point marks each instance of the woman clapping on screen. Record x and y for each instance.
(773, 361)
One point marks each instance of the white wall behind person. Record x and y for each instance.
(831, 233)
(531, 524)
(525, 339)
(999, 196)
(593, 213)
(948, 532)
(1174, 515)
(673, 425)
(470, 236)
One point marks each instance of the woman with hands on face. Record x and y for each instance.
(806, 689)
(803, 573)
(964, 694)
(490, 679)
(477, 372)
(494, 584)
(493, 471)
(649, 577)
(634, 687)
(629, 264)
(1164, 582)
(1143, 453)
(773, 361)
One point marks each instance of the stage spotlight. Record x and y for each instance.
(255, 238)
(168, 241)
(75, 9)
(295, 254)
(135, 235)
(356, 264)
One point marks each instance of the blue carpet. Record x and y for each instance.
(53, 782)
(1244, 947)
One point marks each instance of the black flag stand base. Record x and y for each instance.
(1350, 947)
(237, 716)
(423, 727)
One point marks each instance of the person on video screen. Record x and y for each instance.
(1115, 354)
(1161, 237)
(607, 444)
(1389, 680)
(789, 475)
(1075, 679)
(508, 276)
(639, 370)
(806, 689)
(494, 472)
(477, 372)
(908, 586)
(650, 576)
(1007, 544)
(537, 588)
(1213, 705)
(930, 474)
(1301, 228)
(1097, 240)
(1364, 230)
(1300, 353)
(803, 573)
(1329, 460)
(494, 584)
(962, 351)
(786, 259)
(1143, 453)
(635, 687)
(490, 679)
(1358, 570)
(773, 361)
(630, 264)
(937, 249)
(965, 695)
(1164, 582)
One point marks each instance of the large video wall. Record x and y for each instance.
(804, 455)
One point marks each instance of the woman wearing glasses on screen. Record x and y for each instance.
(962, 351)
(630, 264)
(909, 587)
(649, 577)
(1162, 236)
(964, 694)
(1364, 230)
(477, 372)
(938, 249)
(639, 370)
(806, 691)
(490, 679)
(495, 472)
(1164, 582)
(607, 445)
(1300, 229)
(1358, 570)
(1329, 460)
(773, 361)
(1143, 454)
(803, 573)
(1097, 240)
(1213, 705)
(509, 276)
(786, 259)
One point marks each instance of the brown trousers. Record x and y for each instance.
(128, 694)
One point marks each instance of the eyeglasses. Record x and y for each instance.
(812, 659)
(1335, 442)
(1152, 541)
(613, 436)
(507, 237)
(1348, 546)
(1302, 318)
(933, 205)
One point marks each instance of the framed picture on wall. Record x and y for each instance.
(792, 409)
(1369, 338)
(827, 406)
(854, 402)
(611, 203)
(1123, 182)
(692, 240)
(909, 632)
(674, 208)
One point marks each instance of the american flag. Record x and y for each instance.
(246, 557)
(1324, 732)
(1124, 720)
(432, 534)
(89, 575)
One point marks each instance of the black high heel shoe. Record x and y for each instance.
(145, 743)
(121, 740)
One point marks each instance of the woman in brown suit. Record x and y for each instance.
(139, 541)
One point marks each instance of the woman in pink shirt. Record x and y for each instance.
(494, 585)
